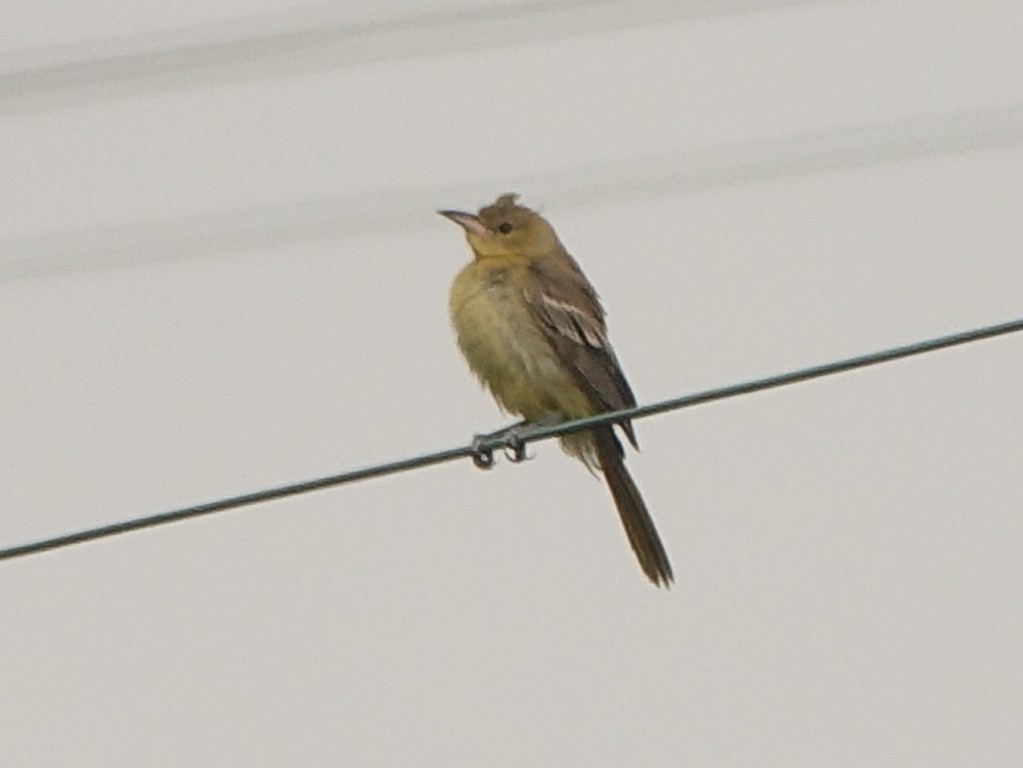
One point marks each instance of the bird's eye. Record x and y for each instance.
(505, 228)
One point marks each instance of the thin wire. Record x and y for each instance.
(482, 449)
(323, 37)
(233, 502)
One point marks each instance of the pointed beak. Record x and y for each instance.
(467, 221)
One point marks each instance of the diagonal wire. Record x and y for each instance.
(482, 449)
(643, 177)
(323, 36)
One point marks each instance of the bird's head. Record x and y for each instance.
(505, 228)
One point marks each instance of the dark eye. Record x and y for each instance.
(505, 228)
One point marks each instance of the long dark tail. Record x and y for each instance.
(639, 526)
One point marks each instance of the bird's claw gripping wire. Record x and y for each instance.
(515, 447)
(510, 439)
(482, 454)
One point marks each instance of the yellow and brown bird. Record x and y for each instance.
(532, 328)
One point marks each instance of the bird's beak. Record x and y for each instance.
(467, 221)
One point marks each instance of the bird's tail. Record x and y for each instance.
(638, 524)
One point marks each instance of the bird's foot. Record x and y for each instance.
(512, 439)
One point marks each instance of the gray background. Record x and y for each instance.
(220, 270)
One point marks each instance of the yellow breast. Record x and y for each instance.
(506, 347)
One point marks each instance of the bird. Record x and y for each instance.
(532, 329)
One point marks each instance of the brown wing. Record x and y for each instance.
(569, 310)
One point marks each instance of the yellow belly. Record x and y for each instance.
(507, 349)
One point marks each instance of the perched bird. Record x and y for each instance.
(532, 329)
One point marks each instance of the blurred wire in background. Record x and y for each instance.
(320, 37)
(662, 175)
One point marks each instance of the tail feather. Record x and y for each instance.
(636, 520)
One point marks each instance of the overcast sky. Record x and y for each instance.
(220, 270)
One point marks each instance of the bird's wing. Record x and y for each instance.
(568, 309)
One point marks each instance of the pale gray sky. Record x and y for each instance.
(229, 275)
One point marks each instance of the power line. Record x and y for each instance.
(652, 176)
(482, 449)
(321, 37)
